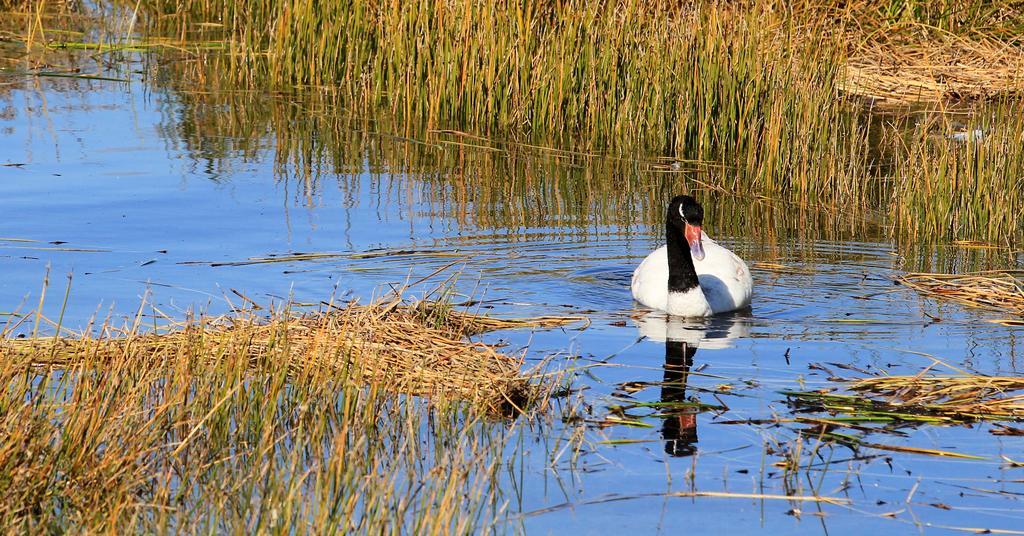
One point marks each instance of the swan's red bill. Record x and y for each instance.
(693, 238)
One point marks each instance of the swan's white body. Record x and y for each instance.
(725, 283)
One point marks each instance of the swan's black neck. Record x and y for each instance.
(682, 276)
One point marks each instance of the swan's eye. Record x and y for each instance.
(681, 215)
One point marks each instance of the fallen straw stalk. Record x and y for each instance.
(415, 349)
(995, 290)
(839, 501)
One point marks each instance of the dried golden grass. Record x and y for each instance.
(411, 349)
(465, 324)
(292, 422)
(948, 71)
(900, 63)
(1001, 290)
(925, 51)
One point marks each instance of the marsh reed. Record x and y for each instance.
(755, 97)
(967, 186)
(764, 100)
(708, 83)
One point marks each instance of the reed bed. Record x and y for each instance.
(999, 290)
(897, 52)
(475, 181)
(374, 418)
(753, 98)
(696, 82)
(755, 106)
(962, 186)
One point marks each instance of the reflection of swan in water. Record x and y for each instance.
(680, 428)
(682, 338)
(710, 333)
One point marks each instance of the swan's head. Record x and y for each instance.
(686, 215)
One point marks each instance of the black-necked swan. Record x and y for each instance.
(691, 276)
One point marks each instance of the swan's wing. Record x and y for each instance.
(650, 279)
(724, 277)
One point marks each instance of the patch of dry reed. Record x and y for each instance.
(292, 422)
(949, 69)
(418, 350)
(934, 51)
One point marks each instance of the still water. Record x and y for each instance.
(142, 188)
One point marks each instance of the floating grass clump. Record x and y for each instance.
(372, 419)
(920, 398)
(967, 396)
(1001, 290)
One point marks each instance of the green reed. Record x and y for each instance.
(748, 89)
(488, 183)
(968, 184)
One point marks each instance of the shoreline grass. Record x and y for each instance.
(753, 96)
(296, 423)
